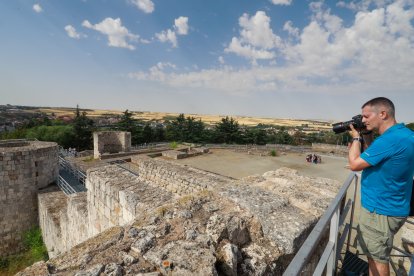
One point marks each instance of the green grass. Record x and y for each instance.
(273, 153)
(173, 145)
(35, 251)
(89, 159)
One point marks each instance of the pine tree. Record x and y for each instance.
(83, 128)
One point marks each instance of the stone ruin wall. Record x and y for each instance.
(116, 197)
(63, 220)
(25, 167)
(110, 142)
(178, 179)
(336, 149)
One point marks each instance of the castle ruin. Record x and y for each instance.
(25, 168)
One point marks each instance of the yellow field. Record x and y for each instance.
(208, 119)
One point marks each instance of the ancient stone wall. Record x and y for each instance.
(178, 179)
(63, 220)
(217, 226)
(116, 196)
(202, 222)
(336, 149)
(25, 167)
(111, 142)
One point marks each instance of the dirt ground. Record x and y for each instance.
(239, 164)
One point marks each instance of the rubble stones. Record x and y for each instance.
(113, 269)
(94, 271)
(143, 244)
(128, 259)
(228, 258)
(187, 257)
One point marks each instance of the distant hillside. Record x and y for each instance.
(162, 116)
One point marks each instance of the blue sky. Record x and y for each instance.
(270, 58)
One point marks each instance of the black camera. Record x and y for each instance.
(344, 126)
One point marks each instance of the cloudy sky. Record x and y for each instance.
(269, 58)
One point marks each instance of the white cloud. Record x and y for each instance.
(181, 28)
(118, 35)
(146, 6)
(181, 25)
(248, 51)
(167, 36)
(282, 2)
(364, 5)
(257, 40)
(374, 52)
(37, 8)
(71, 31)
(221, 60)
(288, 26)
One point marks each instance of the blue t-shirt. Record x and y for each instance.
(386, 185)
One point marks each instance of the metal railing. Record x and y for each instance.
(78, 174)
(334, 218)
(149, 146)
(65, 186)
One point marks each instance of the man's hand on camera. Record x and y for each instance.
(353, 132)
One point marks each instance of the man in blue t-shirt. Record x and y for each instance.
(386, 182)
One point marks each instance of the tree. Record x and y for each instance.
(175, 129)
(83, 129)
(63, 135)
(255, 135)
(227, 131)
(147, 133)
(185, 129)
(281, 137)
(128, 123)
(298, 137)
(159, 133)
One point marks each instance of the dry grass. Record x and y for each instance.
(208, 119)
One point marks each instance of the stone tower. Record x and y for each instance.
(25, 167)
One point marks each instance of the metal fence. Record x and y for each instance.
(340, 225)
(148, 146)
(334, 218)
(78, 174)
(65, 186)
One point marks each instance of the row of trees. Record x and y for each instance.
(78, 134)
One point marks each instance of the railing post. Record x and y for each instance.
(333, 237)
(351, 220)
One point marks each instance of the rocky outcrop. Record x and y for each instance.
(166, 217)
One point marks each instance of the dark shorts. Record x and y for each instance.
(375, 234)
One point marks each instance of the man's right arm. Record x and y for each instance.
(356, 163)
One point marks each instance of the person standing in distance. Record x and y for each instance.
(386, 181)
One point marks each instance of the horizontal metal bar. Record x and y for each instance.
(405, 253)
(324, 259)
(308, 247)
(66, 188)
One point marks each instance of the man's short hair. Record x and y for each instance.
(382, 101)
